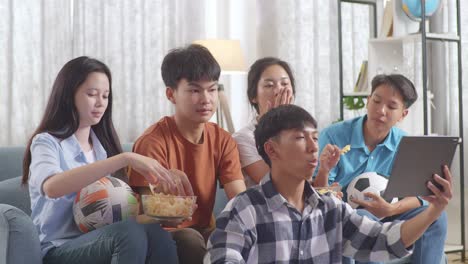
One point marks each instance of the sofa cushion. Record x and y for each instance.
(15, 194)
(220, 201)
(127, 147)
(11, 162)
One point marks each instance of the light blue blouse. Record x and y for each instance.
(53, 218)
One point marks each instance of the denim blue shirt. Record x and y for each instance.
(359, 159)
(53, 218)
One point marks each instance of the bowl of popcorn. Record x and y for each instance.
(168, 207)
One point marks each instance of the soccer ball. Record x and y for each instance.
(366, 182)
(104, 202)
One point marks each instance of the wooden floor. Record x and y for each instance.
(454, 258)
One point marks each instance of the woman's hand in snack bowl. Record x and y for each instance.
(170, 206)
(167, 181)
(181, 185)
(184, 187)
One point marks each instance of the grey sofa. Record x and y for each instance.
(19, 242)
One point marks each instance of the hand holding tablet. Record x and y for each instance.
(416, 161)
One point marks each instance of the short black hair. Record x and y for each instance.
(283, 117)
(193, 63)
(398, 82)
(255, 72)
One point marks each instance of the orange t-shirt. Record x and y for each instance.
(216, 158)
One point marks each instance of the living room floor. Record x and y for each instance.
(453, 235)
(456, 258)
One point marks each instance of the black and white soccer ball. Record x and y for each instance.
(367, 182)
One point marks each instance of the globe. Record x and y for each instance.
(412, 8)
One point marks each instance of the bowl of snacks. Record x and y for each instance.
(332, 189)
(165, 207)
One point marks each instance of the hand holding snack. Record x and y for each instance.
(152, 170)
(329, 157)
(182, 186)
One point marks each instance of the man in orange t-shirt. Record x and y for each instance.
(188, 142)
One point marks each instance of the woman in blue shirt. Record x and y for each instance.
(74, 146)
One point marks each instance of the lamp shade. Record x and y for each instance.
(228, 54)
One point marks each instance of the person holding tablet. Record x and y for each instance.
(374, 139)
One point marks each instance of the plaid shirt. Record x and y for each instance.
(260, 226)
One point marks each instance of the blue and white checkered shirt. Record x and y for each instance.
(260, 226)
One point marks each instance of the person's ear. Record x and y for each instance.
(170, 94)
(403, 115)
(270, 149)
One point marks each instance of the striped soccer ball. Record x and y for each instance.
(106, 201)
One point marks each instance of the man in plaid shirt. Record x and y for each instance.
(284, 220)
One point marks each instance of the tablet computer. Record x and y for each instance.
(416, 161)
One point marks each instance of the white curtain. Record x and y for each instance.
(130, 36)
(35, 41)
(133, 36)
(304, 33)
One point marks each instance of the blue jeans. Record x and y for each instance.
(429, 248)
(123, 242)
(19, 240)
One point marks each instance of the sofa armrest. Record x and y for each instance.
(4, 237)
(15, 194)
